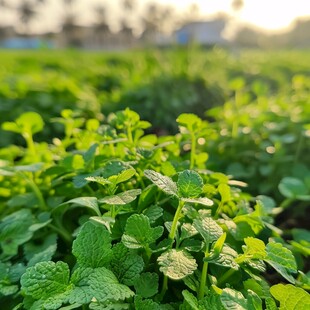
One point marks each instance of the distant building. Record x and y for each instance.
(202, 32)
(25, 43)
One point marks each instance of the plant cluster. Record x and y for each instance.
(110, 217)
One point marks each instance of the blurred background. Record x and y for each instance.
(122, 24)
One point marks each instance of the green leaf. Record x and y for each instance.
(292, 188)
(281, 259)
(36, 253)
(208, 228)
(139, 233)
(176, 264)
(218, 245)
(126, 265)
(226, 258)
(233, 300)
(48, 281)
(146, 284)
(92, 247)
(153, 213)
(224, 191)
(190, 299)
(81, 292)
(211, 302)
(121, 198)
(29, 168)
(201, 200)
(253, 301)
(14, 231)
(98, 179)
(105, 286)
(254, 249)
(191, 121)
(141, 304)
(291, 297)
(190, 184)
(163, 182)
(123, 176)
(28, 122)
(89, 202)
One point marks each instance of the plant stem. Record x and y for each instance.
(204, 274)
(171, 236)
(225, 276)
(36, 191)
(193, 151)
(62, 232)
(175, 220)
(30, 144)
(298, 148)
(164, 288)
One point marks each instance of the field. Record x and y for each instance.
(160, 179)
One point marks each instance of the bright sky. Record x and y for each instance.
(267, 14)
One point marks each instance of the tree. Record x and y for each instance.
(27, 13)
(237, 5)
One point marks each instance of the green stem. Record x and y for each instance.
(285, 203)
(193, 151)
(204, 274)
(176, 219)
(298, 148)
(164, 288)
(62, 232)
(113, 211)
(36, 191)
(30, 144)
(218, 210)
(225, 276)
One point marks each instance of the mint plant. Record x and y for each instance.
(97, 211)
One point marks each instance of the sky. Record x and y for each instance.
(266, 14)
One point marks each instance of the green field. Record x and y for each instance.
(160, 179)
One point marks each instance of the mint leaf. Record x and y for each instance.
(89, 202)
(92, 247)
(43, 252)
(281, 259)
(14, 231)
(226, 258)
(125, 264)
(201, 200)
(98, 179)
(224, 191)
(176, 264)
(189, 120)
(123, 176)
(105, 286)
(291, 297)
(253, 301)
(190, 299)
(121, 198)
(232, 299)
(163, 182)
(208, 228)
(211, 302)
(146, 284)
(292, 188)
(153, 213)
(81, 292)
(254, 249)
(48, 281)
(139, 233)
(190, 184)
(146, 304)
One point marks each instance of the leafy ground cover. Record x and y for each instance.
(99, 212)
